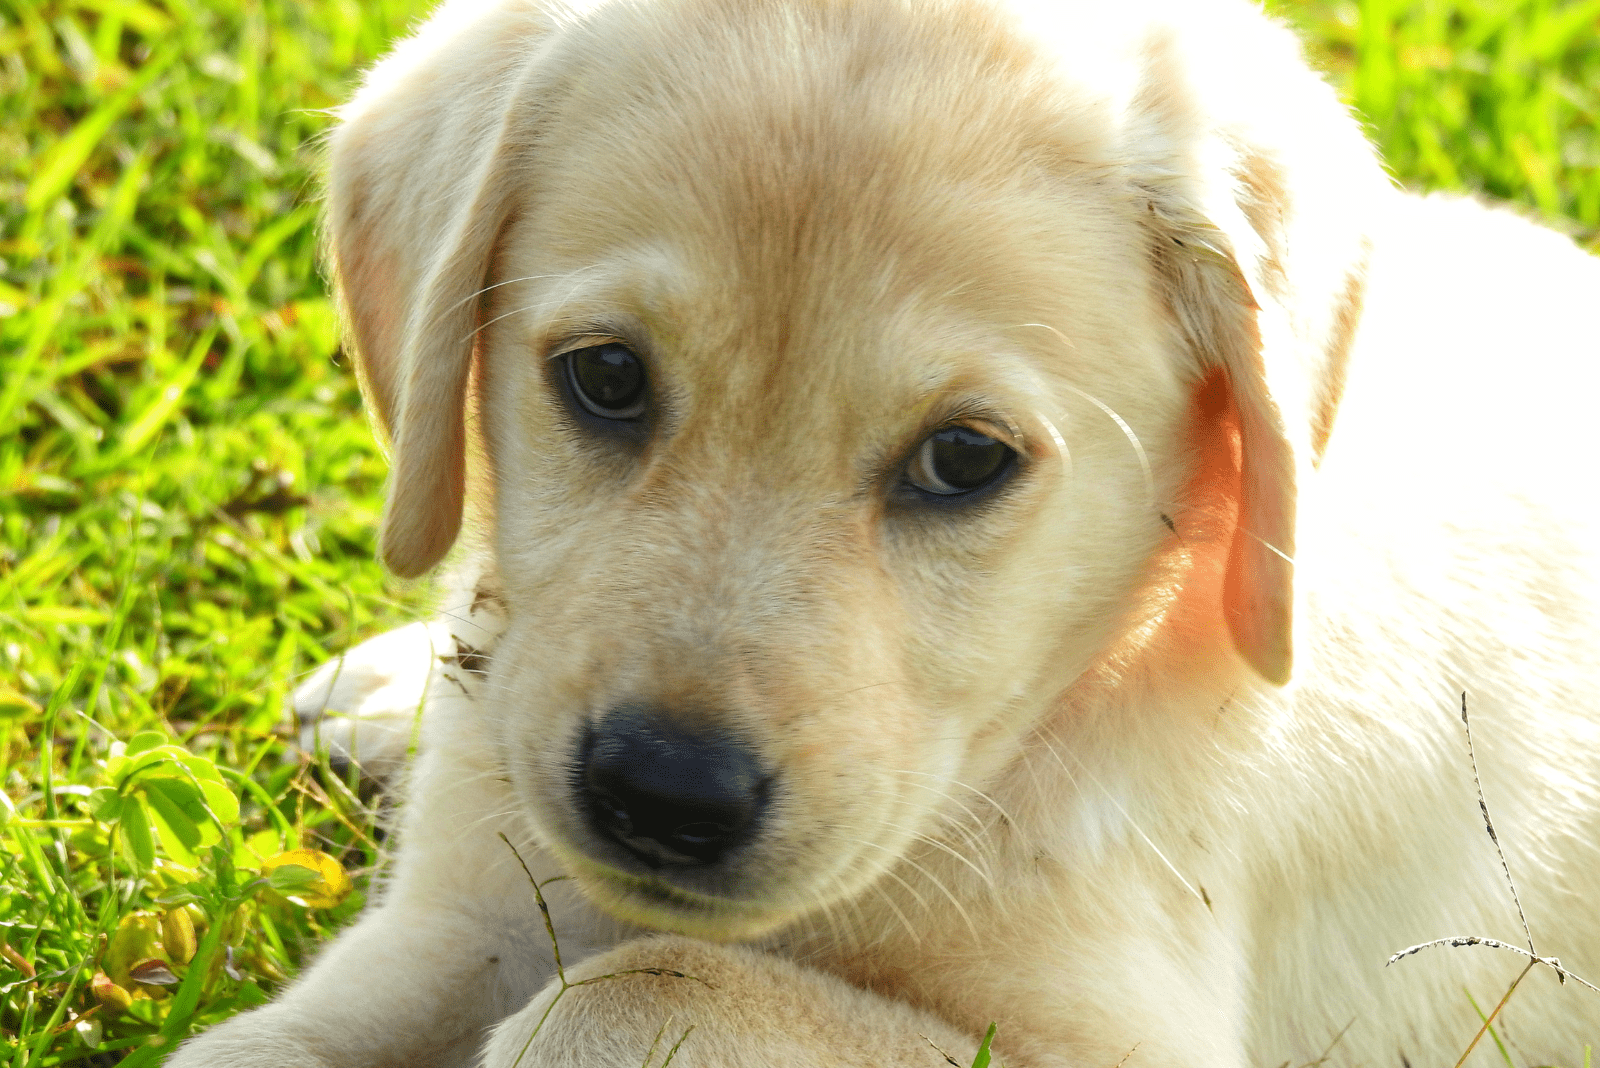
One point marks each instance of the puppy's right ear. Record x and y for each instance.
(1258, 190)
(420, 181)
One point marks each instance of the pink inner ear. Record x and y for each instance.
(1258, 593)
(1179, 624)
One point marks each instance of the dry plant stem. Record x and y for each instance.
(322, 800)
(561, 972)
(1309, 1064)
(544, 909)
(948, 1059)
(1489, 1019)
(1471, 940)
(1483, 806)
(1553, 963)
(1336, 1040)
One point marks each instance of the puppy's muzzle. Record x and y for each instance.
(671, 794)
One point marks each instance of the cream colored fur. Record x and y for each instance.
(1093, 760)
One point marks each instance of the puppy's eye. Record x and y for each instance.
(958, 460)
(608, 380)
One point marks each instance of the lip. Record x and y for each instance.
(653, 902)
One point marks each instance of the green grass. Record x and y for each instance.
(188, 491)
(187, 496)
(1500, 97)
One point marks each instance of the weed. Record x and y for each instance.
(1534, 959)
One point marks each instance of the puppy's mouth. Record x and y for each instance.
(652, 901)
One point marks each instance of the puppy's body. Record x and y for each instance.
(1030, 754)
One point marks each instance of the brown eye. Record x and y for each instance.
(608, 380)
(958, 460)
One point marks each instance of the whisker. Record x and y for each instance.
(948, 796)
(1060, 443)
(982, 873)
(531, 307)
(922, 902)
(868, 686)
(860, 929)
(1268, 545)
(1050, 747)
(481, 327)
(495, 285)
(986, 798)
(1133, 439)
(848, 902)
(937, 884)
(1046, 326)
(894, 907)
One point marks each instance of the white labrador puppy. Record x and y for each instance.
(986, 512)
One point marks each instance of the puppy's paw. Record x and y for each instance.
(363, 705)
(328, 1035)
(259, 1039)
(723, 1007)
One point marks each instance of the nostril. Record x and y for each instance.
(668, 793)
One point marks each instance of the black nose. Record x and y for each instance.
(669, 793)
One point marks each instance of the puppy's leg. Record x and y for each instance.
(747, 1009)
(456, 945)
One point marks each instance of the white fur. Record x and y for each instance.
(1159, 752)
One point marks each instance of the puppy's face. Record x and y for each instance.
(829, 443)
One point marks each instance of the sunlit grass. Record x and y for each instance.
(188, 490)
(1491, 96)
(187, 493)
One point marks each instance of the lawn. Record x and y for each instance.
(188, 491)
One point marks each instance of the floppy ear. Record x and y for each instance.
(420, 181)
(1257, 188)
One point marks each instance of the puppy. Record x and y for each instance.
(982, 513)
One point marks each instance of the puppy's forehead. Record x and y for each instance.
(960, 85)
(810, 184)
(803, 137)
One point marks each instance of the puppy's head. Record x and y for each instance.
(847, 377)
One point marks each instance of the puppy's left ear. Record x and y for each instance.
(421, 178)
(1257, 189)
